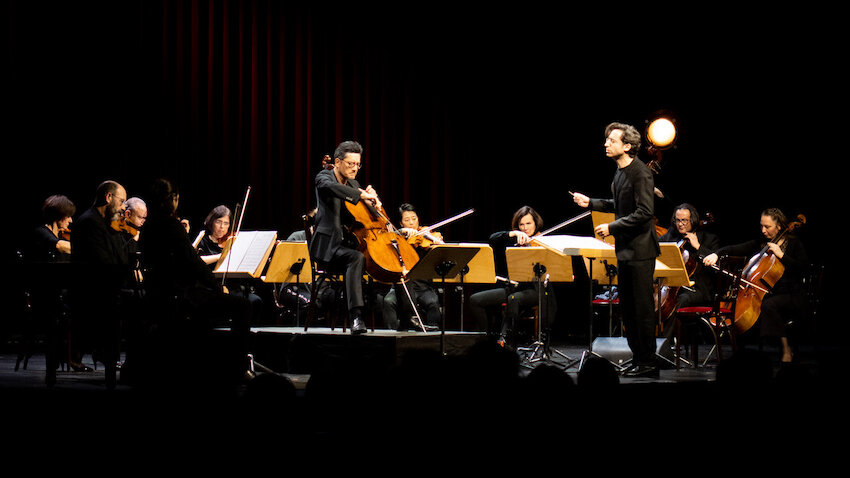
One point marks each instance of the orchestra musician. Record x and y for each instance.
(785, 301)
(178, 280)
(636, 242)
(96, 295)
(217, 231)
(328, 245)
(51, 244)
(421, 292)
(485, 305)
(51, 241)
(133, 218)
(685, 226)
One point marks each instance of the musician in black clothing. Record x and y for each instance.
(104, 271)
(785, 302)
(49, 300)
(686, 226)
(636, 242)
(525, 224)
(328, 245)
(178, 281)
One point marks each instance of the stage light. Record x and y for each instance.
(661, 133)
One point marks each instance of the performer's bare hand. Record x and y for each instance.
(581, 199)
(521, 237)
(602, 230)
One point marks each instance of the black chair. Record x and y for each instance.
(718, 317)
(323, 278)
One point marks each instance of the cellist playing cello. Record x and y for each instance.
(785, 300)
(333, 187)
(694, 242)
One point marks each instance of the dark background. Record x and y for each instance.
(457, 108)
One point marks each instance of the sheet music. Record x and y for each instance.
(576, 245)
(248, 251)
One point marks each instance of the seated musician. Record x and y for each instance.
(421, 292)
(484, 305)
(328, 245)
(51, 244)
(785, 301)
(698, 243)
(95, 296)
(216, 232)
(176, 279)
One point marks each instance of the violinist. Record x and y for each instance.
(51, 241)
(785, 301)
(329, 245)
(486, 305)
(695, 244)
(177, 279)
(51, 244)
(636, 243)
(95, 297)
(129, 225)
(217, 231)
(423, 295)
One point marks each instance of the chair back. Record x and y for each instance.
(727, 285)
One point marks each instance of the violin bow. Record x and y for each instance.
(241, 210)
(430, 228)
(565, 223)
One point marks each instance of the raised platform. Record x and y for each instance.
(292, 350)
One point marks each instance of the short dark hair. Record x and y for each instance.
(347, 147)
(56, 208)
(631, 136)
(524, 211)
(161, 201)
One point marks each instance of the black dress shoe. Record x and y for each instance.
(358, 327)
(642, 371)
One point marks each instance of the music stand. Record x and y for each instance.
(670, 271)
(481, 269)
(441, 261)
(590, 249)
(287, 263)
(529, 264)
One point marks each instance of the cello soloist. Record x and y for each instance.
(785, 301)
(328, 247)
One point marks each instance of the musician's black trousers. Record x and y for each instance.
(354, 264)
(637, 306)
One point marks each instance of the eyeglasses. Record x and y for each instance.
(682, 221)
(351, 164)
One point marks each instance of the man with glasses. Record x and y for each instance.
(104, 268)
(328, 245)
(698, 243)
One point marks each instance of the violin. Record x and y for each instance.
(424, 240)
(122, 225)
(760, 274)
(65, 233)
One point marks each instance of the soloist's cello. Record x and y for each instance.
(760, 274)
(389, 256)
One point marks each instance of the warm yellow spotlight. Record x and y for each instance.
(661, 133)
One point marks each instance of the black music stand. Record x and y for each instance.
(441, 261)
(529, 264)
(287, 263)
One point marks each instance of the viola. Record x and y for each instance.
(760, 274)
(65, 233)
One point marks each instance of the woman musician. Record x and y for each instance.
(423, 295)
(785, 301)
(210, 247)
(525, 224)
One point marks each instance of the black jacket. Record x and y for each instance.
(633, 207)
(331, 214)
